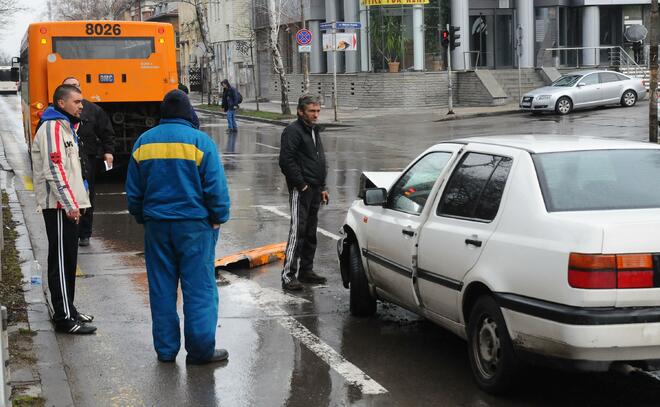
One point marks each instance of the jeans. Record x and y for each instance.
(231, 119)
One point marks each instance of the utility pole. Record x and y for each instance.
(653, 68)
(334, 67)
(450, 82)
(305, 54)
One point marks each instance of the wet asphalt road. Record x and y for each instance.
(303, 349)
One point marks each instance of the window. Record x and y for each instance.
(590, 79)
(606, 77)
(622, 77)
(475, 188)
(411, 191)
(599, 180)
(103, 48)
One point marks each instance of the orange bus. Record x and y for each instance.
(125, 67)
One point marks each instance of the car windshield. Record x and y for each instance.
(599, 179)
(567, 80)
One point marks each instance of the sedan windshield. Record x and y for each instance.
(599, 180)
(567, 80)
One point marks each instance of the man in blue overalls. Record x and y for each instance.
(176, 187)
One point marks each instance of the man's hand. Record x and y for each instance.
(107, 157)
(305, 188)
(216, 226)
(74, 215)
(325, 197)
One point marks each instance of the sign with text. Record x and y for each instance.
(392, 2)
(342, 25)
(342, 42)
(304, 48)
(304, 37)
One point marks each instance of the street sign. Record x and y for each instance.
(326, 26)
(340, 42)
(304, 37)
(342, 25)
(304, 48)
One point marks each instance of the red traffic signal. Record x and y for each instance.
(445, 38)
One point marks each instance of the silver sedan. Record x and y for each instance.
(584, 89)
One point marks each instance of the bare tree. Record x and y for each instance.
(7, 10)
(276, 10)
(88, 9)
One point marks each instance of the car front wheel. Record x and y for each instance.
(363, 303)
(492, 358)
(564, 105)
(629, 98)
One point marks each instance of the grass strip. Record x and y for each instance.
(252, 113)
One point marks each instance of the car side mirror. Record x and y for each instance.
(581, 84)
(375, 196)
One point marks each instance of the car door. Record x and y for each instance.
(457, 231)
(393, 228)
(587, 92)
(611, 87)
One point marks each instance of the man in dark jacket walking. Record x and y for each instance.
(230, 102)
(302, 161)
(98, 139)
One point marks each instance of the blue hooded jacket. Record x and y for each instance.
(174, 172)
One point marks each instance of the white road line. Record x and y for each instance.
(266, 145)
(273, 209)
(268, 301)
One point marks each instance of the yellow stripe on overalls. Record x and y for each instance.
(175, 151)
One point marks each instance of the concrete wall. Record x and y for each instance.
(365, 90)
(471, 91)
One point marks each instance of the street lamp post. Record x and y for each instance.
(653, 70)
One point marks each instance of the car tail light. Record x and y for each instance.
(609, 271)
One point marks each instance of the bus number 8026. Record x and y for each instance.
(103, 29)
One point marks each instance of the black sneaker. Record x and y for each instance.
(292, 285)
(220, 355)
(311, 278)
(84, 318)
(74, 328)
(83, 241)
(166, 360)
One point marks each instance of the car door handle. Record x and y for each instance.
(407, 232)
(473, 242)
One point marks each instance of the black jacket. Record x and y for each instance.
(96, 130)
(302, 162)
(229, 98)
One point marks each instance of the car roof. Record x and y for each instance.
(535, 143)
(589, 71)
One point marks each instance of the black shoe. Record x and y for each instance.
(74, 328)
(220, 355)
(84, 318)
(311, 278)
(293, 285)
(165, 360)
(84, 241)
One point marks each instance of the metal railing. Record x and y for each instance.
(615, 56)
(474, 65)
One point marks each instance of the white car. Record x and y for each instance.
(533, 248)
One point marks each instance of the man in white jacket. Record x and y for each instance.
(62, 196)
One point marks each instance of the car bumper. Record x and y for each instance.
(593, 337)
(538, 107)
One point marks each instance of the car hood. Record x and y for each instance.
(547, 90)
(624, 231)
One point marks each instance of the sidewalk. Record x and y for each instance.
(359, 116)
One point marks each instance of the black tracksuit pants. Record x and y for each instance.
(62, 262)
(301, 247)
(86, 219)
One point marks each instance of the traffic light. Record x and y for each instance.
(453, 36)
(445, 38)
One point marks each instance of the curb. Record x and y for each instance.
(480, 114)
(53, 381)
(267, 121)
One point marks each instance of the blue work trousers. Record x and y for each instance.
(182, 250)
(231, 119)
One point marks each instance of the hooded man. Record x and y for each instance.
(176, 188)
(62, 196)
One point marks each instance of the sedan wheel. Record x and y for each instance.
(629, 98)
(492, 359)
(362, 302)
(564, 105)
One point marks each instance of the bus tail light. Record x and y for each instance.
(43, 30)
(162, 40)
(161, 30)
(43, 41)
(597, 271)
(39, 105)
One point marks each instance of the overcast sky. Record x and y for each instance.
(13, 33)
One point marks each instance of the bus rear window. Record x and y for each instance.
(103, 48)
(5, 75)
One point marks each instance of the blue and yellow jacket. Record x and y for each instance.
(175, 174)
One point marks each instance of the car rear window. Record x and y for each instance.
(599, 179)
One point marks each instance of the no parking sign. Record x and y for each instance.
(304, 37)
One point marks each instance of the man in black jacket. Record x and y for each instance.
(302, 161)
(98, 138)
